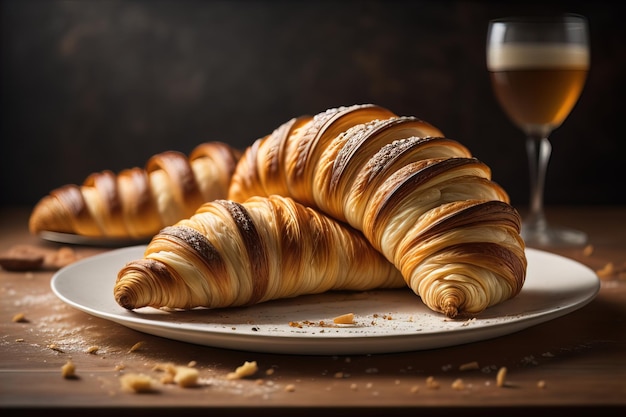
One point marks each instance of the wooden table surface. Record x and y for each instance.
(570, 364)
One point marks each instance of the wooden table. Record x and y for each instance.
(575, 363)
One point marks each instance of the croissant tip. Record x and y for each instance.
(125, 297)
(450, 311)
(124, 301)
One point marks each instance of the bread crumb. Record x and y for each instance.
(588, 250)
(170, 372)
(168, 367)
(245, 370)
(541, 384)
(290, 388)
(606, 271)
(92, 349)
(431, 383)
(68, 371)
(60, 258)
(167, 379)
(138, 383)
(270, 371)
(186, 377)
(22, 258)
(470, 366)
(501, 377)
(344, 319)
(19, 340)
(136, 347)
(415, 388)
(55, 347)
(469, 321)
(33, 258)
(353, 387)
(19, 318)
(458, 384)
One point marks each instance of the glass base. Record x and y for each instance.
(553, 236)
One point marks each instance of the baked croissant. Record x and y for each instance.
(231, 254)
(419, 198)
(138, 202)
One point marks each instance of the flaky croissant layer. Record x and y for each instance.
(138, 202)
(233, 254)
(419, 198)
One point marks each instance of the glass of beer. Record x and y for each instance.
(538, 67)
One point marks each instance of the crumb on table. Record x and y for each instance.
(501, 377)
(243, 371)
(68, 370)
(138, 383)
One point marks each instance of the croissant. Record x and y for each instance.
(418, 197)
(138, 202)
(235, 254)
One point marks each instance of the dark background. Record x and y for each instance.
(93, 85)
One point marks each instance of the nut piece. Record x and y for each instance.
(344, 319)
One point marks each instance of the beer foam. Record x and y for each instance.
(510, 56)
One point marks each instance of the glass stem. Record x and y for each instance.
(539, 149)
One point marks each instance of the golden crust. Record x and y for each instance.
(233, 254)
(420, 198)
(137, 203)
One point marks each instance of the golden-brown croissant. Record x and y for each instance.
(234, 254)
(419, 198)
(138, 202)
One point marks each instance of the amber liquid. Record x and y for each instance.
(537, 84)
(538, 97)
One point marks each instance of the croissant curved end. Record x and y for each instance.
(137, 285)
(450, 310)
(58, 211)
(43, 217)
(450, 304)
(124, 299)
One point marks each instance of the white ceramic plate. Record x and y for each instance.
(386, 321)
(74, 239)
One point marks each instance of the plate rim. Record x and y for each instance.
(103, 241)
